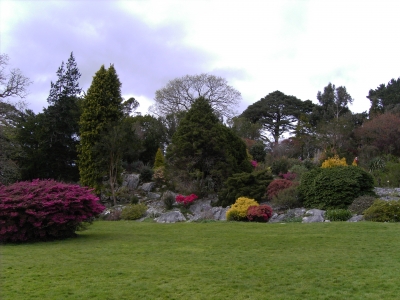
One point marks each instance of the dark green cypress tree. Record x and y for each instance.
(101, 107)
(204, 150)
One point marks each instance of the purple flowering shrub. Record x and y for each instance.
(260, 213)
(44, 210)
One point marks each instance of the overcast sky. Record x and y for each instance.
(259, 46)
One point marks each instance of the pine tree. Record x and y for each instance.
(54, 133)
(205, 150)
(101, 107)
(159, 160)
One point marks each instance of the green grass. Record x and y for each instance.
(220, 260)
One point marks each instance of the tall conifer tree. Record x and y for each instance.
(101, 108)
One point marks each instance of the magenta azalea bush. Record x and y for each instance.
(44, 210)
(260, 213)
(185, 200)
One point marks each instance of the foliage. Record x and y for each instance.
(338, 214)
(287, 198)
(377, 163)
(258, 152)
(159, 175)
(280, 165)
(381, 132)
(334, 101)
(151, 135)
(298, 170)
(383, 211)
(277, 113)
(169, 200)
(288, 176)
(186, 200)
(180, 93)
(133, 211)
(44, 210)
(278, 185)
(385, 97)
(252, 185)
(246, 129)
(389, 175)
(205, 151)
(146, 173)
(159, 160)
(101, 107)
(334, 162)
(238, 211)
(260, 213)
(337, 187)
(361, 203)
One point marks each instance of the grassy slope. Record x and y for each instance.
(131, 260)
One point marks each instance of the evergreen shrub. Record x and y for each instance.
(280, 165)
(238, 211)
(252, 185)
(133, 211)
(260, 213)
(329, 188)
(338, 214)
(169, 200)
(287, 198)
(146, 174)
(360, 204)
(383, 211)
(44, 210)
(276, 186)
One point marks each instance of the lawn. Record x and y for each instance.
(220, 260)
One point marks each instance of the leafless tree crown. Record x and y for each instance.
(179, 94)
(13, 83)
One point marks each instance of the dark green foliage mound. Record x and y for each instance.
(338, 214)
(204, 152)
(280, 165)
(287, 198)
(133, 211)
(360, 204)
(251, 185)
(336, 187)
(383, 211)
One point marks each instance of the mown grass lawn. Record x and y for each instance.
(221, 260)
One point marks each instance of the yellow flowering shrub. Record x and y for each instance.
(238, 210)
(334, 162)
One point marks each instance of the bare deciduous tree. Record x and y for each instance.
(179, 94)
(13, 83)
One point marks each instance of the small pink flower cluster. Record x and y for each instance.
(186, 200)
(254, 163)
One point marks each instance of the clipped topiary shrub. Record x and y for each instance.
(360, 204)
(44, 210)
(276, 186)
(260, 213)
(133, 211)
(338, 214)
(329, 188)
(252, 185)
(287, 198)
(238, 211)
(383, 211)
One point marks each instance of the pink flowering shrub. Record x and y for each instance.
(185, 200)
(254, 163)
(276, 186)
(44, 210)
(260, 213)
(288, 176)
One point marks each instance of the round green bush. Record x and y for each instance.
(146, 174)
(338, 214)
(360, 204)
(337, 187)
(383, 211)
(133, 211)
(287, 198)
(252, 185)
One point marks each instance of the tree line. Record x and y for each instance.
(92, 137)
